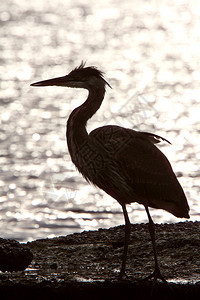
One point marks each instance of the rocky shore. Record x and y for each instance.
(86, 265)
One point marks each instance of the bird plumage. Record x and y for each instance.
(123, 162)
(145, 172)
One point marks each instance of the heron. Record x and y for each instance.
(124, 163)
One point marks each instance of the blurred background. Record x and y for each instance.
(150, 53)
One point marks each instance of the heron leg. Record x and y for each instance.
(126, 241)
(156, 274)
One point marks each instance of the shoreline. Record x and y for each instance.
(88, 263)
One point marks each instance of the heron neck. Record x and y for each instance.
(76, 125)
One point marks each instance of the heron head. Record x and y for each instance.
(80, 77)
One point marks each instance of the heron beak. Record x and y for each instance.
(59, 81)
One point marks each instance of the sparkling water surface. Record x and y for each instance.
(150, 53)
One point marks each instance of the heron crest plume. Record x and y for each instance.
(82, 72)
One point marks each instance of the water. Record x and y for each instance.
(149, 51)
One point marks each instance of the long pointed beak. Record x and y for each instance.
(59, 81)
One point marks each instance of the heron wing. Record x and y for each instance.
(143, 168)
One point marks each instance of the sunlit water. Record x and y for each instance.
(149, 51)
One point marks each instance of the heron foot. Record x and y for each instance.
(122, 276)
(157, 275)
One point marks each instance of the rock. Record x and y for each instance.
(86, 265)
(14, 256)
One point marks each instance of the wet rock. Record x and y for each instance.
(14, 256)
(86, 265)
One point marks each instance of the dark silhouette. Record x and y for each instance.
(123, 162)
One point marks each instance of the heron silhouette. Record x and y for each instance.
(123, 162)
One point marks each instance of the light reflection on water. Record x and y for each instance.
(151, 58)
